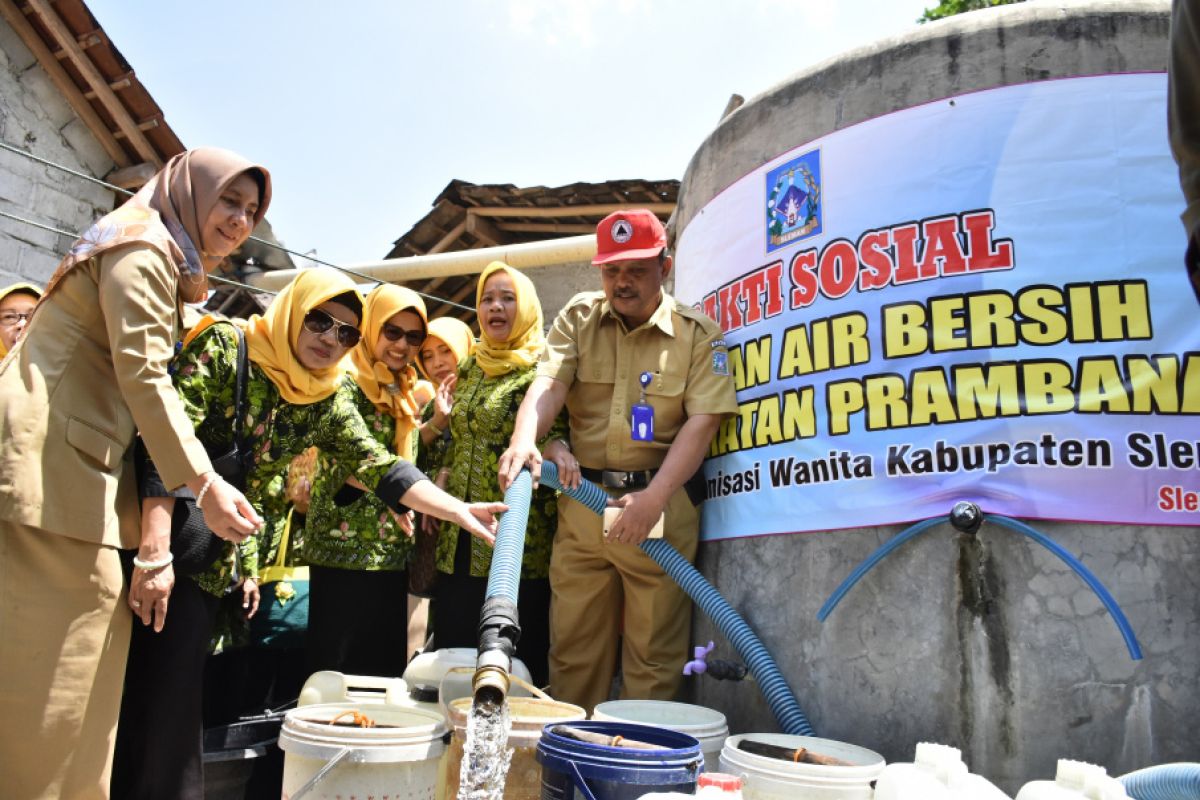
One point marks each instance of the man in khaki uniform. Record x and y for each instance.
(603, 348)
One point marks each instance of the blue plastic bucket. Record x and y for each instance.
(572, 769)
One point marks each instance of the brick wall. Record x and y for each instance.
(35, 118)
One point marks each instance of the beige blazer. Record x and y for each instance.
(89, 373)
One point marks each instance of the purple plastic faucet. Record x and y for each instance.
(699, 664)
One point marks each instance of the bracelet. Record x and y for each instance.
(212, 478)
(153, 565)
(434, 427)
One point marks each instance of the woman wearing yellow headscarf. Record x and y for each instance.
(296, 397)
(491, 385)
(357, 552)
(16, 306)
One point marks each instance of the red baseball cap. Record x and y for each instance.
(632, 233)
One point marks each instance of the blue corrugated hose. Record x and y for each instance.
(774, 686)
(1164, 782)
(1135, 651)
(504, 577)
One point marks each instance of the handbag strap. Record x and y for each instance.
(239, 389)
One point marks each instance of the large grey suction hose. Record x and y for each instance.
(774, 686)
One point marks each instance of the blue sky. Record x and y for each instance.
(364, 111)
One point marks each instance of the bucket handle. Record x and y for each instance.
(322, 772)
(580, 783)
(527, 685)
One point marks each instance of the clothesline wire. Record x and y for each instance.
(275, 245)
(60, 231)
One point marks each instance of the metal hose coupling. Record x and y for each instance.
(499, 632)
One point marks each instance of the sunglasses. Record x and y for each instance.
(394, 333)
(317, 321)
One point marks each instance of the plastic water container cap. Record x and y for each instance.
(1074, 774)
(1101, 787)
(720, 780)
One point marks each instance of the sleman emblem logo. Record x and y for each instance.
(794, 207)
(622, 231)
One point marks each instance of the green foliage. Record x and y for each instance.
(948, 8)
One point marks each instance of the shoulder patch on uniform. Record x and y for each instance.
(720, 362)
(715, 343)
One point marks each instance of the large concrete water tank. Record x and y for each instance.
(987, 643)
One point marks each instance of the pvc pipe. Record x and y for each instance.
(1077, 566)
(529, 255)
(774, 686)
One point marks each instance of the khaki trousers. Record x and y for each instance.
(64, 637)
(602, 592)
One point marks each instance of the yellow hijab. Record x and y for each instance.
(401, 396)
(525, 340)
(270, 338)
(26, 288)
(455, 333)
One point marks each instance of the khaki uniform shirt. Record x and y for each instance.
(590, 350)
(91, 371)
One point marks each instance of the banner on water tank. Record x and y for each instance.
(982, 298)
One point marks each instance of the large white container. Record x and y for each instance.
(706, 724)
(327, 686)
(450, 670)
(936, 773)
(773, 779)
(1075, 780)
(397, 759)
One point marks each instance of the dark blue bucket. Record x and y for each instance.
(573, 769)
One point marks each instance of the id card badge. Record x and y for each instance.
(642, 422)
(641, 414)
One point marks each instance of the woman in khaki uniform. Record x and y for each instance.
(90, 372)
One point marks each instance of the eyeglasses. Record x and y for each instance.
(11, 318)
(317, 321)
(393, 333)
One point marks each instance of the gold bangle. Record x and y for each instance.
(431, 425)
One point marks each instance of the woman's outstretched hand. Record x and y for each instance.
(479, 519)
(228, 513)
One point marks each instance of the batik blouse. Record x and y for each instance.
(276, 432)
(359, 533)
(481, 424)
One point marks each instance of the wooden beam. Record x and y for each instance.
(62, 81)
(132, 178)
(144, 125)
(566, 211)
(116, 86)
(547, 227)
(482, 229)
(59, 30)
(450, 238)
(466, 290)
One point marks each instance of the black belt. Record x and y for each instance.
(618, 479)
(640, 479)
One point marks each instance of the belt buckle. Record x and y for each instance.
(615, 479)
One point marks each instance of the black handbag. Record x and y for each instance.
(193, 544)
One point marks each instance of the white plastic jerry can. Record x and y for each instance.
(936, 773)
(1075, 780)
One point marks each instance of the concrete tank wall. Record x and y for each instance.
(988, 643)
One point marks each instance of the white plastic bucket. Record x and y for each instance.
(322, 760)
(766, 778)
(450, 671)
(706, 724)
(327, 686)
